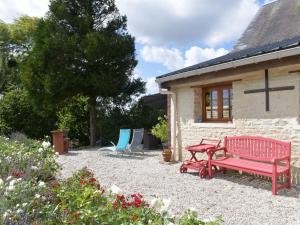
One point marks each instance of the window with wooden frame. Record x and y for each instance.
(217, 103)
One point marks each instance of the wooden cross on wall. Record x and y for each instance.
(267, 90)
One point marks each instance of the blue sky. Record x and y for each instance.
(170, 34)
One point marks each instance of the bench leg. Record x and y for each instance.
(274, 185)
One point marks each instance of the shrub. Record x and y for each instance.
(24, 170)
(160, 130)
(73, 117)
(18, 115)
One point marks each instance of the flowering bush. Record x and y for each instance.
(24, 170)
(29, 194)
(27, 160)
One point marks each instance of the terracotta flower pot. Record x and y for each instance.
(167, 154)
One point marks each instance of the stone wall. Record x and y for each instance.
(249, 113)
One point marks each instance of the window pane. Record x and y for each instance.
(225, 113)
(207, 99)
(208, 105)
(214, 95)
(215, 114)
(226, 93)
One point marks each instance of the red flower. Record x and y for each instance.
(139, 195)
(17, 174)
(83, 182)
(124, 205)
(137, 202)
(115, 205)
(92, 180)
(121, 197)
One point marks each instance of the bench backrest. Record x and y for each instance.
(257, 148)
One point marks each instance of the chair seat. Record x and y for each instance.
(242, 164)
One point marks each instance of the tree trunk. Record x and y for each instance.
(92, 111)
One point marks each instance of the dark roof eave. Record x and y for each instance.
(234, 57)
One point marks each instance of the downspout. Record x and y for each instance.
(172, 124)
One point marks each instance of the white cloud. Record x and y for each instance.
(168, 22)
(9, 10)
(151, 85)
(269, 1)
(174, 59)
(186, 22)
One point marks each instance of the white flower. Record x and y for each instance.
(11, 185)
(10, 188)
(46, 144)
(24, 204)
(41, 184)
(192, 209)
(6, 214)
(115, 190)
(40, 150)
(161, 205)
(8, 159)
(9, 178)
(34, 168)
(37, 196)
(19, 211)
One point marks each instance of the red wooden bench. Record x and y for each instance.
(256, 155)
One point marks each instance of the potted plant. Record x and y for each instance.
(160, 130)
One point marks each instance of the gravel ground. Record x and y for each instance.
(240, 199)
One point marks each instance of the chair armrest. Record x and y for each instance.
(278, 159)
(211, 152)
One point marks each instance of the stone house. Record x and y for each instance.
(253, 90)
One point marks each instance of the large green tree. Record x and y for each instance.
(82, 47)
(15, 43)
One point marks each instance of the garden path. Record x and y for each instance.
(240, 199)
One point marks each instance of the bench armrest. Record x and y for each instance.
(278, 159)
(211, 152)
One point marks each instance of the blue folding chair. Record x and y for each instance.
(123, 142)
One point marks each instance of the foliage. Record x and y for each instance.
(73, 117)
(160, 130)
(81, 47)
(15, 42)
(17, 114)
(112, 117)
(24, 169)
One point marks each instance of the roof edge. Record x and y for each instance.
(233, 64)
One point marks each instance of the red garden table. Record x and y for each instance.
(199, 165)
